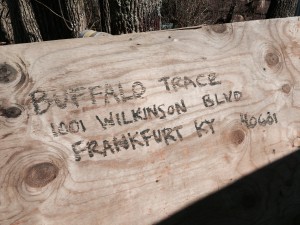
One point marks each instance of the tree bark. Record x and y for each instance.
(76, 13)
(7, 33)
(29, 22)
(282, 8)
(16, 22)
(298, 9)
(134, 15)
(149, 14)
(49, 16)
(105, 16)
(92, 12)
(25, 28)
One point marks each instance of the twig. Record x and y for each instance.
(61, 11)
(51, 10)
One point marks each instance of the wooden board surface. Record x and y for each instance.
(130, 129)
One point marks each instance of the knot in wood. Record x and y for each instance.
(272, 59)
(7, 73)
(12, 112)
(41, 174)
(219, 28)
(237, 137)
(286, 88)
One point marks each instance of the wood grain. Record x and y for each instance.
(195, 87)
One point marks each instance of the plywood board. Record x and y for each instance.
(130, 129)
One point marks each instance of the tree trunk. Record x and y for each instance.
(298, 9)
(25, 28)
(76, 13)
(29, 22)
(16, 22)
(105, 16)
(134, 15)
(282, 8)
(92, 12)
(37, 20)
(49, 16)
(149, 14)
(7, 33)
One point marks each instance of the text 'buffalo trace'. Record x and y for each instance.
(202, 80)
(73, 97)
